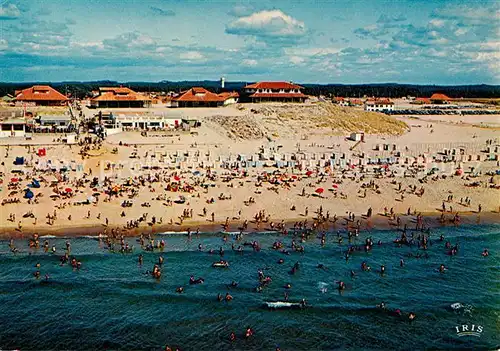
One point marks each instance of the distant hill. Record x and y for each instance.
(82, 89)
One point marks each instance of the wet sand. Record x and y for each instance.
(376, 222)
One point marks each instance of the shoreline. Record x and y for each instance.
(376, 222)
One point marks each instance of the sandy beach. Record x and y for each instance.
(239, 162)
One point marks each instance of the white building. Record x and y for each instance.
(148, 121)
(13, 128)
(61, 121)
(379, 105)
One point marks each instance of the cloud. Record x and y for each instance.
(391, 19)
(249, 62)
(312, 51)
(130, 41)
(160, 12)
(296, 60)
(9, 12)
(268, 26)
(372, 31)
(469, 14)
(191, 56)
(48, 39)
(240, 11)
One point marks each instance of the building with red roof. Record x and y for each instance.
(439, 99)
(275, 91)
(421, 101)
(41, 95)
(201, 97)
(229, 97)
(119, 97)
(379, 105)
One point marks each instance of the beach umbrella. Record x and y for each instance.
(319, 191)
(177, 178)
(14, 180)
(335, 186)
(294, 177)
(96, 194)
(54, 196)
(68, 190)
(308, 173)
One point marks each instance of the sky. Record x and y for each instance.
(335, 41)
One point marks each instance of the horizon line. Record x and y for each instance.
(242, 81)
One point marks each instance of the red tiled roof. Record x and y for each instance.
(423, 100)
(355, 101)
(40, 93)
(379, 102)
(278, 95)
(227, 95)
(198, 94)
(439, 97)
(273, 85)
(119, 94)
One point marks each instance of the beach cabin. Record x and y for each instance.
(357, 137)
(13, 128)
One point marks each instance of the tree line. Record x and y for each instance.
(83, 89)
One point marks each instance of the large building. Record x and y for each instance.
(379, 105)
(201, 97)
(274, 91)
(119, 97)
(41, 95)
(439, 99)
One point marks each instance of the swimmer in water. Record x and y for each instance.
(341, 285)
(411, 317)
(485, 253)
(442, 268)
(249, 332)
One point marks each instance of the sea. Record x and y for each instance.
(112, 303)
